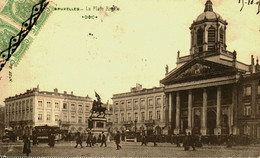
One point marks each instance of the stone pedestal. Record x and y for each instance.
(217, 131)
(99, 125)
(188, 130)
(176, 131)
(235, 131)
(203, 131)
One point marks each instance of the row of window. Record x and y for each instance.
(64, 117)
(142, 103)
(19, 117)
(247, 91)
(142, 116)
(19, 106)
(65, 106)
(247, 108)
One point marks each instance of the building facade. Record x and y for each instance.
(39, 108)
(209, 91)
(141, 110)
(2, 121)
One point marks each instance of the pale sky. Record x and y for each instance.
(130, 46)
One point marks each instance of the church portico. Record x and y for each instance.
(206, 110)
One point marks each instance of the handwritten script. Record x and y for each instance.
(250, 2)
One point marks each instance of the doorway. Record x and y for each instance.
(211, 122)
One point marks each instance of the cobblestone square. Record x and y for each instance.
(66, 149)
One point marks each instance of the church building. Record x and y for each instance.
(209, 91)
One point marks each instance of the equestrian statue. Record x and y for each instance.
(97, 107)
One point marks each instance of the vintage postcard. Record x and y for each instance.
(130, 78)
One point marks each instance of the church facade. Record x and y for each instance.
(209, 91)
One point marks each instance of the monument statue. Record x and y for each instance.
(97, 107)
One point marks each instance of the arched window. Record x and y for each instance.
(200, 33)
(221, 34)
(211, 35)
(211, 38)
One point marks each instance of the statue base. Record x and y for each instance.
(98, 125)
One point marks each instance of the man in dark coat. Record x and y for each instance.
(103, 140)
(52, 140)
(26, 145)
(193, 141)
(144, 142)
(35, 140)
(154, 139)
(117, 140)
(186, 142)
(178, 140)
(78, 140)
(230, 141)
(89, 139)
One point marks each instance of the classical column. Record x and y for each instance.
(233, 112)
(170, 109)
(218, 120)
(133, 115)
(189, 110)
(203, 129)
(177, 129)
(166, 117)
(154, 108)
(161, 108)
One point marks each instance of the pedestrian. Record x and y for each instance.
(89, 139)
(186, 142)
(144, 140)
(94, 140)
(26, 145)
(219, 139)
(154, 139)
(193, 141)
(52, 140)
(117, 140)
(230, 141)
(103, 140)
(178, 140)
(78, 140)
(172, 138)
(99, 138)
(35, 140)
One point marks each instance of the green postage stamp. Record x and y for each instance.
(14, 14)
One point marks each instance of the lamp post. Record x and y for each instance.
(60, 128)
(135, 130)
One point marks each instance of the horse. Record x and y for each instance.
(97, 108)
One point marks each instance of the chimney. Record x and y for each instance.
(38, 88)
(71, 92)
(65, 92)
(55, 90)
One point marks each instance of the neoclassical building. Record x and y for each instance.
(38, 108)
(140, 110)
(209, 91)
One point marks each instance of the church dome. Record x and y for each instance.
(208, 13)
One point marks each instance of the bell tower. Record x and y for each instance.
(208, 32)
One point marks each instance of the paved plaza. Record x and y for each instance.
(66, 149)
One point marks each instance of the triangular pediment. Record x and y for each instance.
(198, 69)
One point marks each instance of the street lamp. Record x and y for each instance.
(135, 126)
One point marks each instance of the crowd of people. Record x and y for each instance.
(91, 140)
(188, 140)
